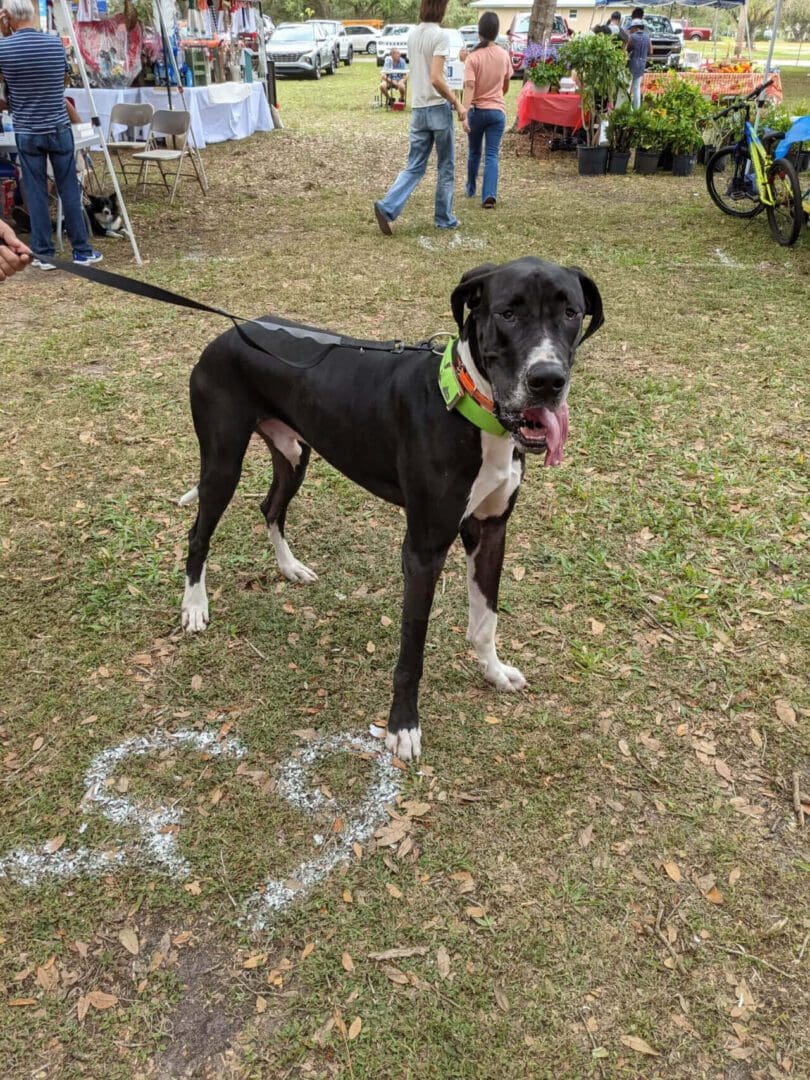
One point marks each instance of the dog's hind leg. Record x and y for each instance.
(290, 459)
(484, 541)
(224, 432)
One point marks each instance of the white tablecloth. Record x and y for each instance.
(218, 113)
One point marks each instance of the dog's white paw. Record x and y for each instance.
(506, 678)
(194, 609)
(405, 744)
(296, 571)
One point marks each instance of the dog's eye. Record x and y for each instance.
(508, 314)
(570, 313)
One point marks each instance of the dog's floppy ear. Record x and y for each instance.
(468, 291)
(593, 302)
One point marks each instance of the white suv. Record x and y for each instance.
(363, 38)
(341, 42)
(393, 36)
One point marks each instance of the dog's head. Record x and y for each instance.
(103, 210)
(526, 319)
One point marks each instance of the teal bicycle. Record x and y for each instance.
(744, 178)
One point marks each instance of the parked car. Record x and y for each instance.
(341, 42)
(301, 49)
(665, 45)
(363, 38)
(470, 35)
(393, 36)
(518, 35)
(691, 33)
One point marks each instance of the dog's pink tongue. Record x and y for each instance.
(556, 425)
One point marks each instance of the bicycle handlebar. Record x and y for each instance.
(744, 103)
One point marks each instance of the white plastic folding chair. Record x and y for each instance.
(132, 117)
(171, 127)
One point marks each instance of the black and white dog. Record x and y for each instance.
(380, 419)
(105, 219)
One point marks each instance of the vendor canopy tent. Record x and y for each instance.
(681, 3)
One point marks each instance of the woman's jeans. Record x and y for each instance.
(430, 126)
(487, 126)
(635, 91)
(34, 151)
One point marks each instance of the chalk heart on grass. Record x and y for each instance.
(156, 845)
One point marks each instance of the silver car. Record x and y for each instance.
(301, 49)
(341, 42)
(363, 38)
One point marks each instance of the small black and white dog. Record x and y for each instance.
(105, 220)
(380, 418)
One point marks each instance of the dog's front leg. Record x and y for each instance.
(484, 541)
(421, 569)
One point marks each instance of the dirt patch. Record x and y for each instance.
(203, 1026)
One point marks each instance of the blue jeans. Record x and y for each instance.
(635, 90)
(430, 126)
(486, 125)
(34, 151)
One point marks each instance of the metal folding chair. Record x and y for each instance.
(173, 128)
(132, 117)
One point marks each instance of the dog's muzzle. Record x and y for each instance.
(539, 429)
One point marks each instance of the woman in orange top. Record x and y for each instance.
(486, 79)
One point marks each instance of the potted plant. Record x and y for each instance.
(648, 139)
(684, 140)
(619, 135)
(600, 65)
(546, 75)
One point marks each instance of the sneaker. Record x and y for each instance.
(85, 260)
(41, 264)
(489, 204)
(382, 221)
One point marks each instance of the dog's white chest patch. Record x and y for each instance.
(497, 479)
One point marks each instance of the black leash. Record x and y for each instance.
(165, 296)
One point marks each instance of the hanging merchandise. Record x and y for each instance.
(110, 51)
(196, 27)
(87, 11)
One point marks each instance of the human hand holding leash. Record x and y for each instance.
(14, 255)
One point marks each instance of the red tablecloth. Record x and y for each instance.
(564, 110)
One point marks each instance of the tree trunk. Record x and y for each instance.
(542, 20)
(739, 45)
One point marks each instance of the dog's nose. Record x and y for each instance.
(545, 378)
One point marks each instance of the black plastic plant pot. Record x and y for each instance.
(592, 160)
(665, 160)
(682, 164)
(617, 162)
(705, 152)
(646, 162)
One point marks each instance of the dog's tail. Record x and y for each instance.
(189, 497)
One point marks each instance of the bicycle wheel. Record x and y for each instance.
(731, 184)
(786, 216)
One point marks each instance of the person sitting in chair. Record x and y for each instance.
(394, 76)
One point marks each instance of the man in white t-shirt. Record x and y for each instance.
(432, 104)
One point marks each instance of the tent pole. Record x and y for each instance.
(68, 18)
(777, 17)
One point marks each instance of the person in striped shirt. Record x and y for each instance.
(33, 66)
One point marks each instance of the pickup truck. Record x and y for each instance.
(691, 33)
(665, 44)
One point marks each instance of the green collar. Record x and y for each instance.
(455, 396)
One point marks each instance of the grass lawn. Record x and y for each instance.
(789, 52)
(601, 877)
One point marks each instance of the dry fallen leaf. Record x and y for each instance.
(17, 1003)
(722, 769)
(785, 711)
(99, 1000)
(347, 962)
(501, 999)
(48, 976)
(395, 975)
(254, 961)
(672, 870)
(399, 953)
(443, 961)
(475, 912)
(394, 891)
(308, 950)
(52, 846)
(196, 682)
(734, 875)
(597, 628)
(714, 896)
(370, 647)
(355, 1028)
(129, 939)
(639, 1045)
(193, 887)
(347, 897)
(261, 1004)
(586, 836)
